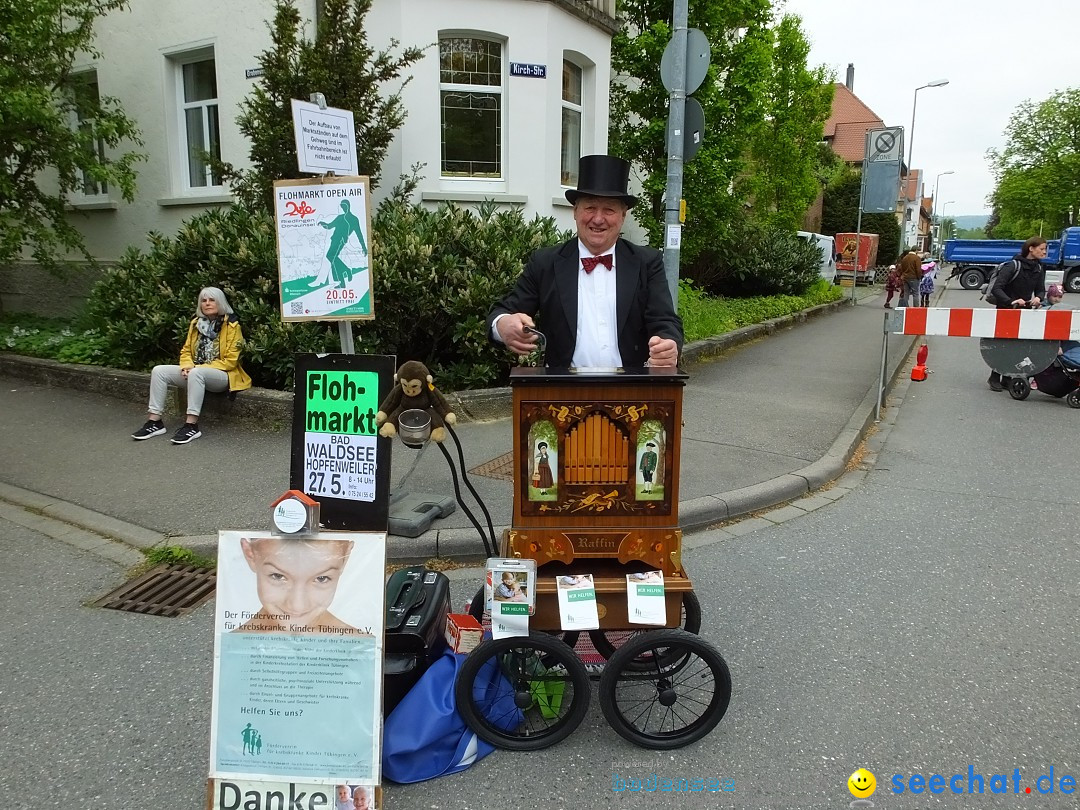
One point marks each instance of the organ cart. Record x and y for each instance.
(596, 491)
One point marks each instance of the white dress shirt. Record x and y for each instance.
(597, 339)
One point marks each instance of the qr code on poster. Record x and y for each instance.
(296, 308)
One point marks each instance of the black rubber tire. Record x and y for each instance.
(691, 623)
(1019, 388)
(1072, 399)
(633, 702)
(518, 658)
(971, 278)
(476, 610)
(1072, 282)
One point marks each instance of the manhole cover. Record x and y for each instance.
(167, 590)
(501, 468)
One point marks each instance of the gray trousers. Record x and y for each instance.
(911, 289)
(199, 380)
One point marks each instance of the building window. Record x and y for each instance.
(471, 99)
(571, 123)
(200, 134)
(86, 99)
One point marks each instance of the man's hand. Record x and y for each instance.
(1019, 302)
(1034, 302)
(511, 329)
(663, 352)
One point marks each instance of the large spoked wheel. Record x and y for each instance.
(1019, 388)
(1073, 398)
(523, 694)
(680, 701)
(607, 642)
(476, 610)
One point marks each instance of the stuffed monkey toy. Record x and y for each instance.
(414, 388)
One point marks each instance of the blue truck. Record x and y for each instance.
(974, 259)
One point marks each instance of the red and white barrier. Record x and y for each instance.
(1031, 324)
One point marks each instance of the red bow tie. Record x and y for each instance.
(590, 262)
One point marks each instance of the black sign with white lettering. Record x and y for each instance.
(529, 71)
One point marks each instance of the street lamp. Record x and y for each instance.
(938, 180)
(933, 212)
(943, 205)
(911, 142)
(914, 104)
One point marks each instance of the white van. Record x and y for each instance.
(825, 244)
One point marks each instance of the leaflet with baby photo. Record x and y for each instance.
(645, 603)
(577, 602)
(510, 580)
(298, 634)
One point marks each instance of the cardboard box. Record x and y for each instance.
(463, 632)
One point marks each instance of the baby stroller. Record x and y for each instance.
(1060, 379)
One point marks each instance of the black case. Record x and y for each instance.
(417, 601)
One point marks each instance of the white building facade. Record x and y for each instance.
(507, 97)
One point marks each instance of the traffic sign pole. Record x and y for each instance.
(676, 124)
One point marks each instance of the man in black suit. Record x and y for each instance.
(601, 301)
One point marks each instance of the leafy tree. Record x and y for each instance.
(841, 215)
(1038, 170)
(963, 233)
(732, 97)
(44, 155)
(786, 155)
(337, 63)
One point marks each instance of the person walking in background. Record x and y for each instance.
(602, 301)
(909, 269)
(893, 285)
(1020, 284)
(926, 285)
(209, 361)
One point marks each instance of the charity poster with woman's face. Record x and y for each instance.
(298, 631)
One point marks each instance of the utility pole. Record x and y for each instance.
(676, 126)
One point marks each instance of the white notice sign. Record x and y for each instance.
(325, 139)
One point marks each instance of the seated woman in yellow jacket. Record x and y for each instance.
(209, 361)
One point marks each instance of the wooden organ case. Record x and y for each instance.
(596, 479)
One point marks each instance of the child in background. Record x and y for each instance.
(926, 284)
(892, 285)
(1054, 294)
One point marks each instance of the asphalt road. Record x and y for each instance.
(924, 623)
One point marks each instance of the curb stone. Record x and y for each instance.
(697, 514)
(266, 406)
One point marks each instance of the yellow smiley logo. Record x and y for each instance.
(862, 784)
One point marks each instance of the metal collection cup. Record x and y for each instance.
(414, 427)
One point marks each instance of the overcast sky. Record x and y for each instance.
(995, 54)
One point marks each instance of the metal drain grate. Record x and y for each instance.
(501, 468)
(167, 590)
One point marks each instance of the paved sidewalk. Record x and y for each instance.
(765, 423)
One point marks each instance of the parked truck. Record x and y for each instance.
(974, 259)
(846, 257)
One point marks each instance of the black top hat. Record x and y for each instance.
(602, 176)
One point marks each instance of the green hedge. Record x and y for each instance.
(436, 274)
(756, 261)
(704, 316)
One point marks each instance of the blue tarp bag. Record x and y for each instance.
(425, 736)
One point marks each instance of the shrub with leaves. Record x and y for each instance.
(143, 305)
(436, 275)
(757, 261)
